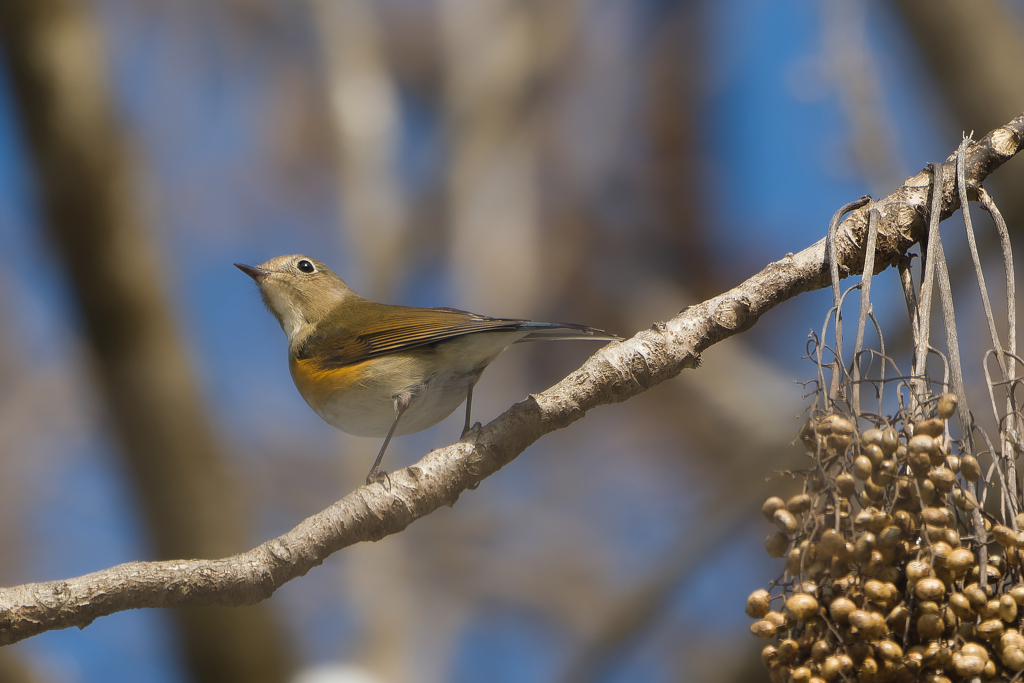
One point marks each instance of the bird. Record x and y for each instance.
(380, 370)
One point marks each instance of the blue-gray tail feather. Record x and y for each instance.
(555, 331)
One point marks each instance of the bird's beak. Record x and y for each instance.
(255, 272)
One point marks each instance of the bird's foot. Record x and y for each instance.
(379, 476)
(471, 430)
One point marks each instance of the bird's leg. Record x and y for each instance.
(402, 402)
(469, 424)
(469, 411)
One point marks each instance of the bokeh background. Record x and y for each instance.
(607, 162)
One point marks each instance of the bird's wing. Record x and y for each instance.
(383, 329)
(397, 328)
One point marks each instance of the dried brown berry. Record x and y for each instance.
(1004, 536)
(864, 517)
(889, 537)
(758, 604)
(969, 467)
(929, 589)
(863, 546)
(964, 499)
(1011, 638)
(846, 485)
(989, 611)
(785, 521)
(838, 568)
(873, 453)
(839, 425)
(992, 573)
(897, 618)
(935, 516)
(943, 478)
(922, 443)
(794, 561)
(877, 591)
(838, 442)
(871, 436)
(920, 462)
(879, 520)
(788, 650)
(959, 561)
(1007, 608)
(934, 534)
(889, 650)
(976, 595)
(961, 606)
(763, 629)
(946, 406)
(831, 543)
(930, 626)
(885, 474)
(840, 609)
(1013, 659)
(799, 503)
(905, 522)
(862, 620)
(861, 467)
(969, 665)
(770, 506)
(776, 544)
(874, 491)
(801, 674)
(975, 649)
(991, 629)
(890, 440)
(941, 551)
(802, 607)
(917, 570)
(932, 427)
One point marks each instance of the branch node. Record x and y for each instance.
(732, 313)
(280, 550)
(52, 596)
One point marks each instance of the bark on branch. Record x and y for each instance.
(616, 373)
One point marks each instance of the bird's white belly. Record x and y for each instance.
(370, 409)
(437, 378)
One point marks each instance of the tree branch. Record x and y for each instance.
(614, 374)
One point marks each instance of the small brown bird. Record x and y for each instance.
(373, 369)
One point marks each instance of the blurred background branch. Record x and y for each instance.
(91, 193)
(977, 68)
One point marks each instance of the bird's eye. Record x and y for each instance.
(305, 266)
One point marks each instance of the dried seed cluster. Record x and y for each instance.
(888, 571)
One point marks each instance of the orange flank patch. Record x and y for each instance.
(316, 383)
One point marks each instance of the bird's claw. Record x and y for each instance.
(378, 476)
(471, 430)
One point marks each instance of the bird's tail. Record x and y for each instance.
(555, 331)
